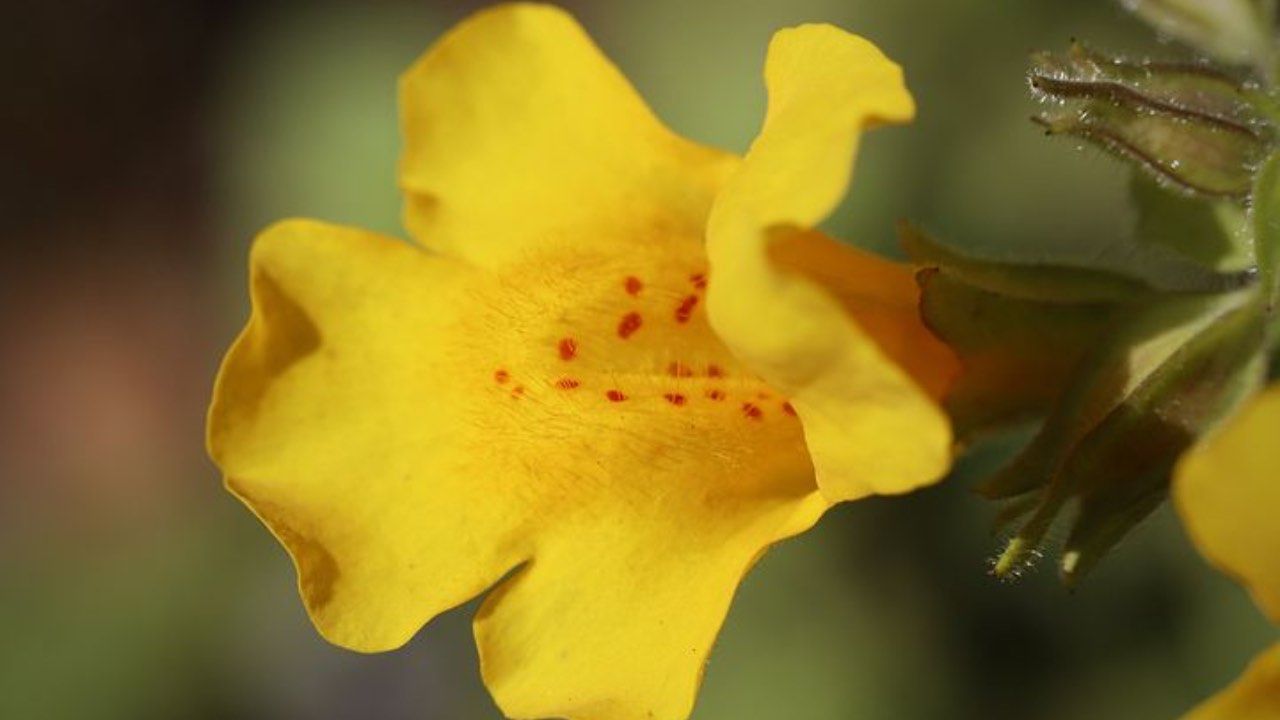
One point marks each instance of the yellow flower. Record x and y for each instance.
(1227, 490)
(616, 368)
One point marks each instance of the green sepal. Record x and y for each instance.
(1017, 355)
(1113, 441)
(1133, 347)
(1196, 157)
(1216, 234)
(1150, 268)
(1188, 126)
(1195, 92)
(1121, 471)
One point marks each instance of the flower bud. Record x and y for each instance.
(1190, 128)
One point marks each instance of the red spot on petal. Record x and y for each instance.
(699, 281)
(501, 376)
(674, 398)
(679, 369)
(629, 324)
(788, 408)
(715, 394)
(752, 411)
(615, 396)
(567, 383)
(568, 348)
(633, 285)
(715, 371)
(517, 391)
(684, 310)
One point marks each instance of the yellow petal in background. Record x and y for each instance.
(1255, 696)
(519, 132)
(869, 425)
(1227, 490)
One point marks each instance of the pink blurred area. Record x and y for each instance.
(104, 372)
(106, 322)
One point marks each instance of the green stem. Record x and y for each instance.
(1266, 227)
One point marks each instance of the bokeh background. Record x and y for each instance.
(142, 144)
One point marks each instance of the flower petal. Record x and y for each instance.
(412, 430)
(519, 132)
(1227, 493)
(336, 420)
(614, 620)
(1254, 696)
(870, 426)
(882, 296)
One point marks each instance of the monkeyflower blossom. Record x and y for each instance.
(613, 367)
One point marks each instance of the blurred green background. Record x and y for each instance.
(145, 141)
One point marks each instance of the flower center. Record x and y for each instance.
(658, 352)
